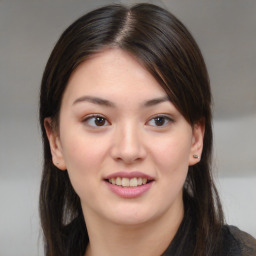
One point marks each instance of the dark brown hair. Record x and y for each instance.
(169, 52)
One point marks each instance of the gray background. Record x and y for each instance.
(226, 33)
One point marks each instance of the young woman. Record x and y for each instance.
(125, 113)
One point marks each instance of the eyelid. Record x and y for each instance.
(93, 115)
(166, 116)
(90, 116)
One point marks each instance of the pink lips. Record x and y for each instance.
(129, 192)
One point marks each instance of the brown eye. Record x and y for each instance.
(159, 121)
(96, 121)
(99, 121)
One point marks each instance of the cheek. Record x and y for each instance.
(171, 159)
(172, 154)
(83, 158)
(83, 154)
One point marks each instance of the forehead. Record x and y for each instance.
(110, 73)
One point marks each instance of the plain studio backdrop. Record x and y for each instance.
(226, 33)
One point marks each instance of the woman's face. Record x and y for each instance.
(125, 146)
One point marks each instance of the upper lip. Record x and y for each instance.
(129, 175)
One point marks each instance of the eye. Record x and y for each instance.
(159, 121)
(96, 121)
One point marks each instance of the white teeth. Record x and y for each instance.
(133, 182)
(112, 180)
(126, 182)
(118, 181)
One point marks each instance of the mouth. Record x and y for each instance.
(129, 185)
(129, 182)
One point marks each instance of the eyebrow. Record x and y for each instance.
(95, 100)
(156, 101)
(107, 103)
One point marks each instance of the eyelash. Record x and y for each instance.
(94, 119)
(166, 120)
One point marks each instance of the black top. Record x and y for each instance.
(234, 242)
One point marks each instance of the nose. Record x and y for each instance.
(128, 145)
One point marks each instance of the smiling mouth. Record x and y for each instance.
(129, 183)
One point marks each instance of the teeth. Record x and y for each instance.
(118, 181)
(126, 182)
(133, 182)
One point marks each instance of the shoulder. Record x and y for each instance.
(240, 243)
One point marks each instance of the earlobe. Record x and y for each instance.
(197, 143)
(55, 145)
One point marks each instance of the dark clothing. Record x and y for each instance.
(241, 243)
(234, 242)
(228, 241)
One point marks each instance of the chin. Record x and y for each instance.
(132, 216)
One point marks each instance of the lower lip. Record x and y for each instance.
(131, 192)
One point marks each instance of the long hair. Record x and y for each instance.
(168, 51)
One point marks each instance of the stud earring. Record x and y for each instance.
(196, 156)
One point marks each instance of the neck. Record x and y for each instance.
(147, 239)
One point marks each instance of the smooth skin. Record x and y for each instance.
(115, 117)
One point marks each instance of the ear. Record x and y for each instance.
(55, 144)
(197, 143)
